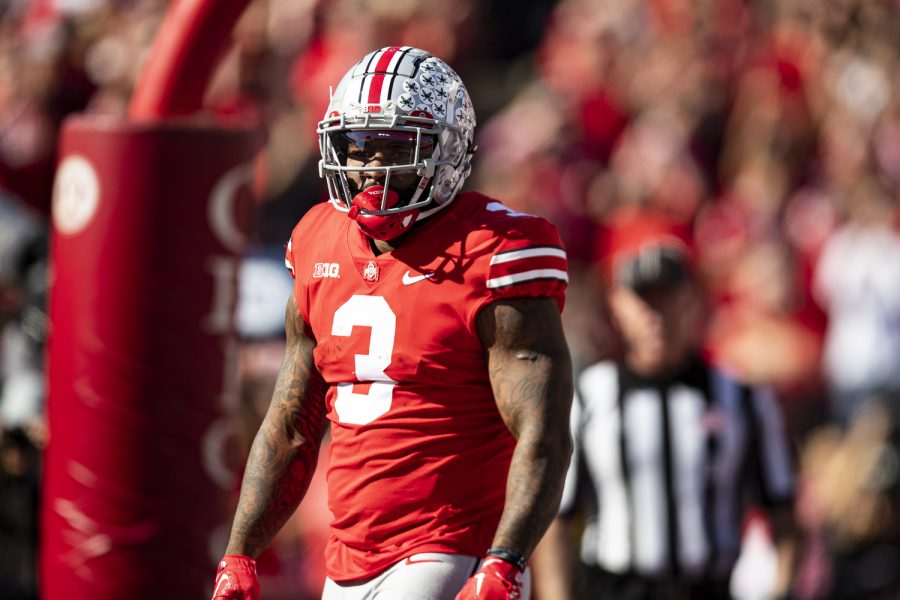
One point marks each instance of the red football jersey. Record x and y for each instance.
(419, 454)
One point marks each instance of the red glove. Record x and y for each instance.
(495, 580)
(236, 578)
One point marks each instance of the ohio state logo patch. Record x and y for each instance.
(370, 272)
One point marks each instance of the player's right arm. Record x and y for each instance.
(284, 453)
(282, 458)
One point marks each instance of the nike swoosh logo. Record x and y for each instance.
(223, 579)
(409, 279)
(410, 561)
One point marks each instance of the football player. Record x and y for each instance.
(424, 328)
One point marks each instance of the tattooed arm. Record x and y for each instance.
(531, 376)
(286, 448)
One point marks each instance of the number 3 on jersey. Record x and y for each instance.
(374, 312)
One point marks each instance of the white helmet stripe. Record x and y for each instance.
(362, 67)
(376, 83)
(395, 60)
(387, 87)
(366, 89)
(372, 75)
(365, 65)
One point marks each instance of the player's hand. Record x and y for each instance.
(495, 580)
(236, 578)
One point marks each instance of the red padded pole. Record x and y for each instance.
(148, 231)
(186, 50)
(138, 474)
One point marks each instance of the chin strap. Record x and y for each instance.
(427, 213)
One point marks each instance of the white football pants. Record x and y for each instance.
(427, 576)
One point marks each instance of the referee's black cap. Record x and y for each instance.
(659, 264)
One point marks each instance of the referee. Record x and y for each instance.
(669, 454)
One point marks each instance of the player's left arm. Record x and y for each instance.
(531, 375)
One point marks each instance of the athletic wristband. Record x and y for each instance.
(510, 556)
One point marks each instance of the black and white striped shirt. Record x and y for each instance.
(669, 467)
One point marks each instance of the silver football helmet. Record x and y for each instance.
(412, 99)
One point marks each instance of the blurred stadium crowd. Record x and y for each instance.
(763, 133)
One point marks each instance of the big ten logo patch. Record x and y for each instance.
(332, 270)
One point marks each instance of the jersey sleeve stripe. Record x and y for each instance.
(511, 255)
(528, 264)
(516, 278)
(288, 258)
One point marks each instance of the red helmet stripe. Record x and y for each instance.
(381, 67)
